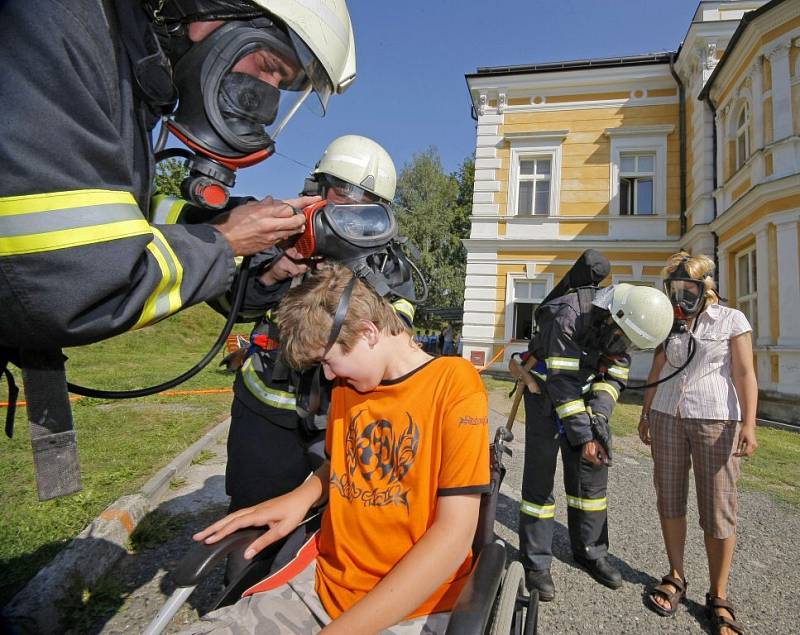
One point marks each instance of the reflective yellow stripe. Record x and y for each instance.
(55, 201)
(166, 210)
(588, 504)
(404, 307)
(541, 376)
(602, 386)
(563, 363)
(537, 511)
(270, 396)
(60, 220)
(618, 372)
(570, 408)
(166, 297)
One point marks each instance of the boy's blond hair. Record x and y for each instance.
(699, 267)
(305, 315)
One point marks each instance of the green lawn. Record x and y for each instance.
(120, 443)
(773, 469)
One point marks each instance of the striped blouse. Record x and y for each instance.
(704, 389)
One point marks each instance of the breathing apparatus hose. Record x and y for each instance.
(238, 297)
(691, 350)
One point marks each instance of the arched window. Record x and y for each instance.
(742, 136)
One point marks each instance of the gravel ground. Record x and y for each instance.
(763, 577)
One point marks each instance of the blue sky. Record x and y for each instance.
(412, 56)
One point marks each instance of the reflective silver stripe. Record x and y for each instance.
(602, 386)
(570, 408)
(563, 363)
(270, 396)
(618, 372)
(166, 297)
(166, 210)
(42, 222)
(588, 504)
(537, 511)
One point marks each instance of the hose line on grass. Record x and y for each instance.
(238, 297)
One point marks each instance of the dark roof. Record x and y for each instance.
(550, 67)
(747, 18)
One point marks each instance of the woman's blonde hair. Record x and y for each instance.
(700, 267)
(305, 315)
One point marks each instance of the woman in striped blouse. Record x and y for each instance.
(705, 417)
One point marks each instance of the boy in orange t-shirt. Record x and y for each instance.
(407, 442)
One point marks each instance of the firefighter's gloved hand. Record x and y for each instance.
(602, 435)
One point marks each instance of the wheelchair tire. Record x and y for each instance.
(505, 608)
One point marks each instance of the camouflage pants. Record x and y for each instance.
(295, 608)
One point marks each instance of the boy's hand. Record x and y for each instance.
(282, 515)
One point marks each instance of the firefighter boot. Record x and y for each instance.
(542, 581)
(601, 570)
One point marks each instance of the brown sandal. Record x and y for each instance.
(663, 591)
(718, 622)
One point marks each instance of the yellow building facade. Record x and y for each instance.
(639, 157)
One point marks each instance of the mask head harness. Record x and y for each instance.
(363, 237)
(687, 295)
(222, 114)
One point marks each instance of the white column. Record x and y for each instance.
(756, 85)
(764, 335)
(789, 284)
(781, 90)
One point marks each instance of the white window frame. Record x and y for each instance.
(535, 179)
(743, 130)
(541, 145)
(752, 285)
(640, 140)
(637, 175)
(511, 278)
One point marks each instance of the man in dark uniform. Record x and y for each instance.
(83, 84)
(581, 346)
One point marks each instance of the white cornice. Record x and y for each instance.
(755, 197)
(640, 131)
(543, 135)
(602, 79)
(477, 245)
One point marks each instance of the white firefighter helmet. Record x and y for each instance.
(644, 314)
(322, 35)
(361, 162)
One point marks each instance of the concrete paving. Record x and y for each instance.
(763, 579)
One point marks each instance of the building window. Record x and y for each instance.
(742, 137)
(533, 186)
(636, 177)
(534, 167)
(528, 294)
(746, 291)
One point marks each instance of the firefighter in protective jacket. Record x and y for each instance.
(582, 343)
(83, 84)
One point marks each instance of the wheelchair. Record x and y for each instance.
(492, 602)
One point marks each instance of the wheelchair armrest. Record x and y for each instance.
(201, 558)
(473, 608)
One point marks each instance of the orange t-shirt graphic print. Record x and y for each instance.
(393, 452)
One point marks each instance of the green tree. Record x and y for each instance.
(169, 175)
(433, 210)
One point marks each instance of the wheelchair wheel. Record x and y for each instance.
(505, 607)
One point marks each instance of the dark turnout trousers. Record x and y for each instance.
(585, 486)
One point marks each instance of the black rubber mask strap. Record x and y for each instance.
(341, 313)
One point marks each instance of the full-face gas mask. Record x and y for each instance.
(363, 237)
(686, 294)
(226, 115)
(612, 340)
